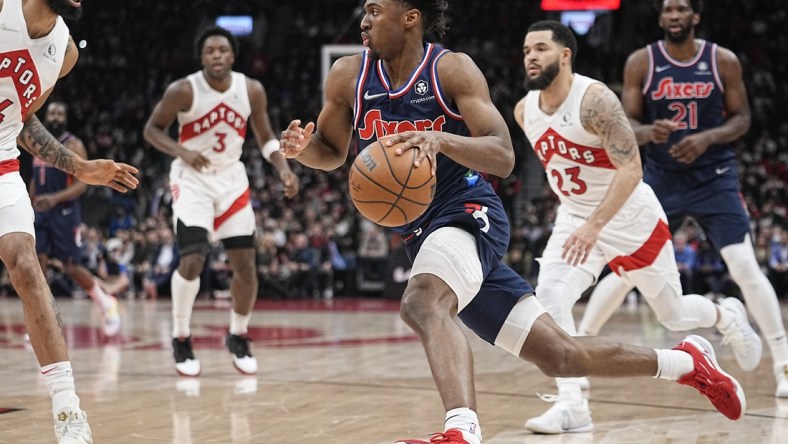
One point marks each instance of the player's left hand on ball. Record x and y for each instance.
(428, 142)
(291, 183)
(118, 176)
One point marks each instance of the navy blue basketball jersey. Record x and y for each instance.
(49, 179)
(418, 105)
(690, 94)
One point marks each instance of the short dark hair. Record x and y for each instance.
(212, 31)
(432, 12)
(696, 5)
(561, 34)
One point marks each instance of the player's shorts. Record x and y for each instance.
(479, 212)
(711, 196)
(16, 211)
(218, 202)
(636, 244)
(58, 234)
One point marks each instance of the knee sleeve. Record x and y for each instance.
(559, 287)
(681, 313)
(741, 262)
(758, 292)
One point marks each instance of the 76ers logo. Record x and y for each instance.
(376, 127)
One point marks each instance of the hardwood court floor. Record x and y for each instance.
(347, 371)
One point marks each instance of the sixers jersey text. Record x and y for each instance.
(690, 94)
(418, 105)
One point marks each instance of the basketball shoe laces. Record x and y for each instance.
(452, 436)
(72, 428)
(183, 349)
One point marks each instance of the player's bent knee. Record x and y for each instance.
(423, 299)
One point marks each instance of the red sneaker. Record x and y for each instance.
(724, 392)
(451, 436)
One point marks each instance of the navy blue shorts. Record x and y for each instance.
(480, 212)
(57, 233)
(711, 196)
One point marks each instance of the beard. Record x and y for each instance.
(64, 9)
(55, 128)
(543, 80)
(679, 36)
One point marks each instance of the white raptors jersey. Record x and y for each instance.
(28, 68)
(576, 164)
(215, 125)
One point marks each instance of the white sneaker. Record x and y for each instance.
(112, 318)
(243, 360)
(563, 417)
(71, 427)
(781, 375)
(185, 362)
(746, 344)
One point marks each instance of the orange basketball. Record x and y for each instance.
(387, 189)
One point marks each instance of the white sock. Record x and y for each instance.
(239, 324)
(779, 347)
(465, 420)
(725, 317)
(59, 380)
(99, 296)
(184, 293)
(673, 364)
(569, 390)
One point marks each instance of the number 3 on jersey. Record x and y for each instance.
(220, 146)
(568, 181)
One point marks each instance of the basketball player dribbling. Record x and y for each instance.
(55, 195)
(210, 188)
(686, 99)
(35, 51)
(402, 83)
(578, 129)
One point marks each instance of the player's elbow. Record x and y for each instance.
(506, 165)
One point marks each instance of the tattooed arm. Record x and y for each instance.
(39, 142)
(602, 114)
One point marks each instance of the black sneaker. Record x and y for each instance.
(243, 360)
(185, 362)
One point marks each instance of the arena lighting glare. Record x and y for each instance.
(239, 25)
(579, 21)
(580, 5)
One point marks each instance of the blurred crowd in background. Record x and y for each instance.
(316, 246)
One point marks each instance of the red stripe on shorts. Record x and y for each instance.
(9, 166)
(646, 254)
(239, 203)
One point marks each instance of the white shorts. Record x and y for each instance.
(218, 202)
(636, 243)
(16, 211)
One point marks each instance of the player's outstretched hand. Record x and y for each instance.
(294, 139)
(118, 176)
